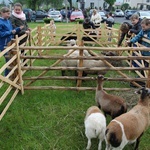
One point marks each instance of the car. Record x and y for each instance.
(39, 15)
(118, 13)
(128, 13)
(56, 15)
(143, 14)
(28, 12)
(76, 15)
(102, 14)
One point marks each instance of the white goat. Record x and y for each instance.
(110, 104)
(129, 127)
(95, 125)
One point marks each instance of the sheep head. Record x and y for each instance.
(145, 92)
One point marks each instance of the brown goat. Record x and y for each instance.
(110, 104)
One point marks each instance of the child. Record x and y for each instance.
(18, 18)
(124, 28)
(145, 32)
(136, 22)
(6, 31)
(52, 26)
(110, 20)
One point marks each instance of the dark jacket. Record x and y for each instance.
(124, 34)
(88, 25)
(6, 32)
(136, 28)
(16, 22)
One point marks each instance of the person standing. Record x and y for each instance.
(17, 19)
(6, 32)
(96, 18)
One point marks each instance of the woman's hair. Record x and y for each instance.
(134, 16)
(18, 5)
(124, 27)
(145, 21)
(4, 10)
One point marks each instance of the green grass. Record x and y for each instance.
(51, 119)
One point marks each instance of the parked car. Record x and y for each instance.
(28, 12)
(39, 15)
(56, 15)
(118, 13)
(128, 13)
(143, 14)
(76, 15)
(102, 14)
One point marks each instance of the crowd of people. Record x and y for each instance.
(16, 24)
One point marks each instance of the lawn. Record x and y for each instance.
(53, 119)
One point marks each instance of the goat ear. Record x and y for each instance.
(105, 78)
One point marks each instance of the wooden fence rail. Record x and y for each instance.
(43, 44)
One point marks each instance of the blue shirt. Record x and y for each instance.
(139, 36)
(6, 32)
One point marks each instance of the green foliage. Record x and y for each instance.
(47, 20)
(125, 6)
(111, 3)
(80, 21)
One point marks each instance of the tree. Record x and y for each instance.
(125, 6)
(111, 3)
(70, 2)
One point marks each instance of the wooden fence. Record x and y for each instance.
(47, 48)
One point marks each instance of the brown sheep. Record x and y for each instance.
(110, 104)
(129, 127)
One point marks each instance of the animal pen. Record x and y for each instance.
(44, 51)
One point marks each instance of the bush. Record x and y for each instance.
(47, 20)
(80, 21)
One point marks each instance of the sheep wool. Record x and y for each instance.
(129, 127)
(95, 126)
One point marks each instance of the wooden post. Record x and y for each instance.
(19, 65)
(148, 77)
(39, 30)
(79, 82)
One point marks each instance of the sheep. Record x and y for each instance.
(69, 36)
(91, 64)
(95, 125)
(72, 62)
(110, 104)
(129, 127)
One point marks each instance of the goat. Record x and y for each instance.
(95, 125)
(110, 104)
(129, 127)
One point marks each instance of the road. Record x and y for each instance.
(121, 20)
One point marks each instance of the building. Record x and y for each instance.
(91, 4)
(139, 4)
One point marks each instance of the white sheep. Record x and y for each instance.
(110, 104)
(73, 62)
(95, 125)
(129, 127)
(91, 64)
